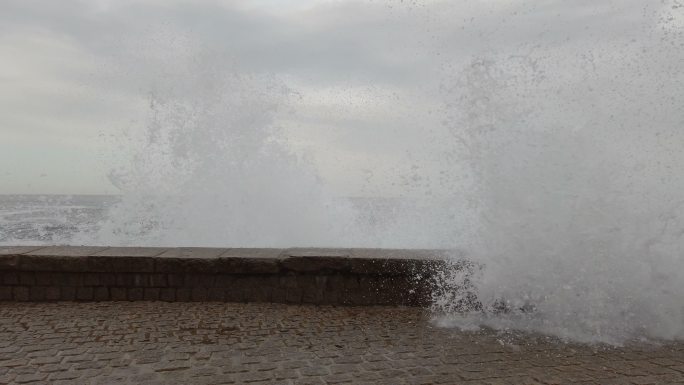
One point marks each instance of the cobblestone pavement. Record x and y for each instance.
(223, 343)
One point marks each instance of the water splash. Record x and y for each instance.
(582, 212)
(208, 170)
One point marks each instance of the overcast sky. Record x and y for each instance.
(365, 80)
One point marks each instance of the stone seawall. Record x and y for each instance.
(310, 276)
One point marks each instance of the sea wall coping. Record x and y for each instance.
(219, 260)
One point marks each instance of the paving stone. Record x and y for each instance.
(214, 343)
(70, 375)
(26, 378)
(254, 376)
(171, 366)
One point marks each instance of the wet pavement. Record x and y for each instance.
(229, 343)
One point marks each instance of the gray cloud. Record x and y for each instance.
(369, 75)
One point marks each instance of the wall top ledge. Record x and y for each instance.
(222, 260)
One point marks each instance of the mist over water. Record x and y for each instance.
(558, 150)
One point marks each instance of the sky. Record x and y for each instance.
(364, 103)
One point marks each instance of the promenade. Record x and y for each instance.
(148, 342)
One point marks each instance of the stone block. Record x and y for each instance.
(151, 293)
(252, 253)
(226, 265)
(107, 279)
(125, 279)
(249, 261)
(293, 295)
(9, 262)
(192, 253)
(254, 266)
(225, 280)
(378, 266)
(176, 280)
(335, 282)
(135, 294)
(331, 297)
(20, 293)
(316, 252)
(67, 293)
(167, 294)
(67, 279)
(188, 260)
(288, 281)
(52, 293)
(183, 294)
(101, 294)
(5, 293)
(390, 290)
(368, 283)
(132, 264)
(10, 278)
(357, 297)
(37, 293)
(141, 280)
(44, 278)
(67, 251)
(91, 279)
(351, 282)
(234, 294)
(316, 264)
(182, 266)
(313, 296)
(158, 280)
(99, 264)
(16, 250)
(125, 259)
(84, 293)
(315, 260)
(259, 292)
(30, 262)
(216, 294)
(123, 252)
(367, 265)
(118, 293)
(199, 280)
(27, 278)
(198, 294)
(279, 295)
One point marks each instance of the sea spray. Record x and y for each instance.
(207, 169)
(581, 206)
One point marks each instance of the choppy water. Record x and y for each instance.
(49, 219)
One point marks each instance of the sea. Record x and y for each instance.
(50, 219)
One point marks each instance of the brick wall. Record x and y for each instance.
(313, 276)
